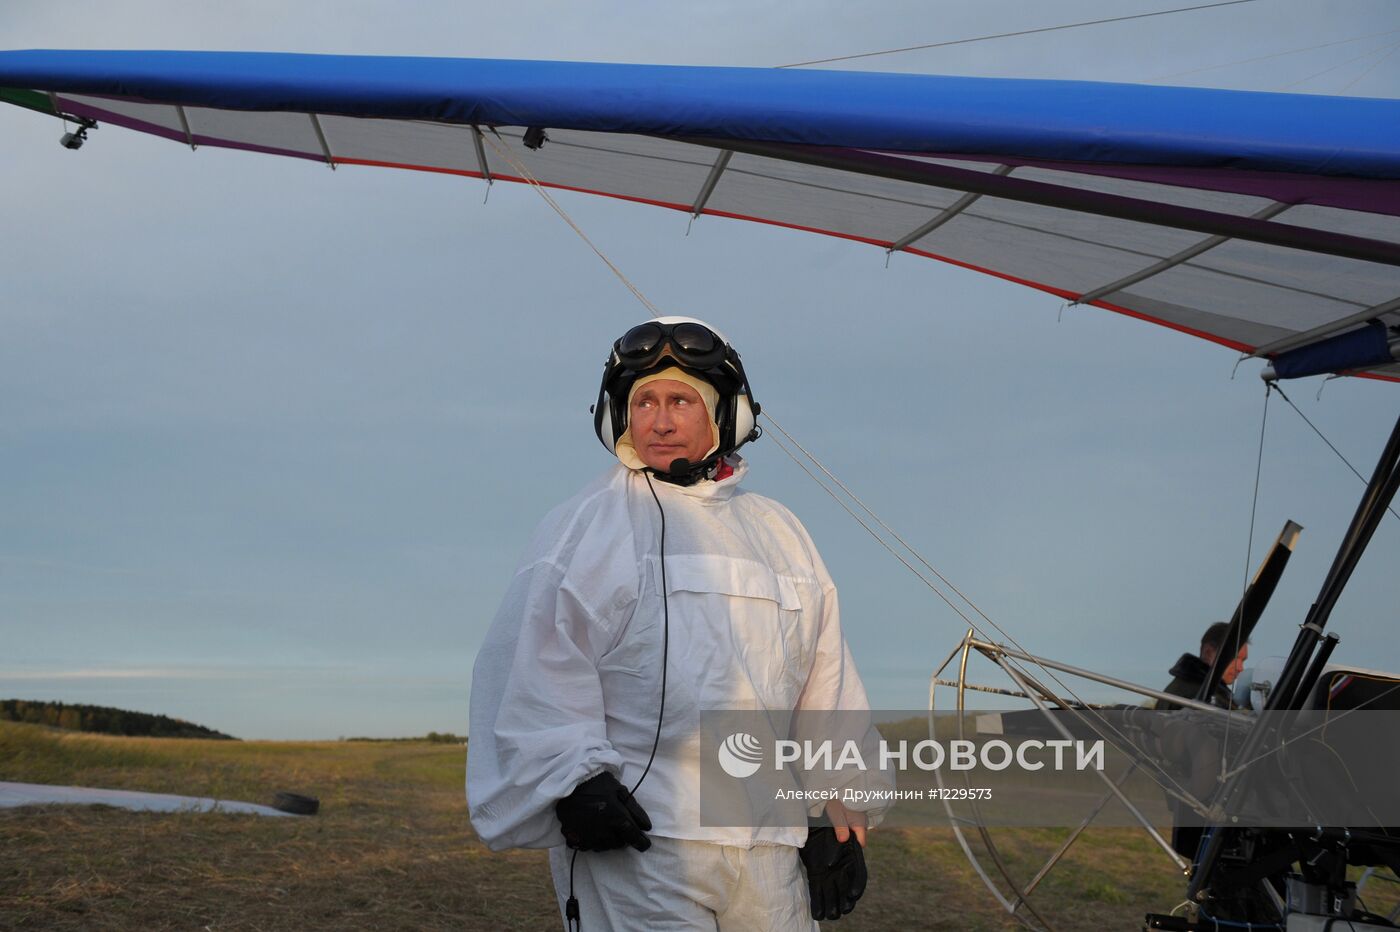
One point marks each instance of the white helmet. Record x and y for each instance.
(695, 347)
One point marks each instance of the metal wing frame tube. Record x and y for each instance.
(1083, 201)
(1251, 606)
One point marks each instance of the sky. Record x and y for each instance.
(272, 437)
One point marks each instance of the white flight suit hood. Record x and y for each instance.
(567, 683)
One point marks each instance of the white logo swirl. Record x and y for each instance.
(740, 755)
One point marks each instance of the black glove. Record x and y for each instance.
(835, 872)
(600, 815)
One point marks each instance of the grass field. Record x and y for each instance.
(392, 849)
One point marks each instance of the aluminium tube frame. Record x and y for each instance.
(1039, 695)
(1012, 908)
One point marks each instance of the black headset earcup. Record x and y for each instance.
(604, 421)
(724, 420)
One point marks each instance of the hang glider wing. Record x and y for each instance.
(1269, 223)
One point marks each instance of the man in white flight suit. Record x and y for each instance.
(660, 590)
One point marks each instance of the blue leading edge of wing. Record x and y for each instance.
(1027, 119)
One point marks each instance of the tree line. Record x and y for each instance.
(103, 720)
(432, 737)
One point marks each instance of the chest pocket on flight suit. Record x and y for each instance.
(751, 632)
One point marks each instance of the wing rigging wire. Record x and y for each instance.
(504, 152)
(525, 173)
(1102, 723)
(1248, 562)
(1007, 35)
(1238, 765)
(1246, 61)
(1388, 49)
(1374, 65)
(1269, 388)
(1330, 445)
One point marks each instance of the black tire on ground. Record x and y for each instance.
(297, 804)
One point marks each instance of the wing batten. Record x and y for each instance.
(1160, 203)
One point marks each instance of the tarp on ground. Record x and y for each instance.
(42, 794)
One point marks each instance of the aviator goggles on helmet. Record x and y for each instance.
(692, 345)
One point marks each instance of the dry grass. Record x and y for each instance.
(392, 849)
